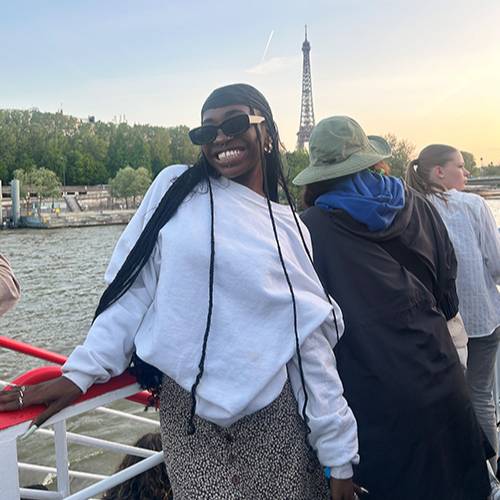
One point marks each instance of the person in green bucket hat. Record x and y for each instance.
(339, 147)
(383, 253)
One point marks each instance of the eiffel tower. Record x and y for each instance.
(306, 107)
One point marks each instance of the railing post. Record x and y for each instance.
(62, 458)
(9, 485)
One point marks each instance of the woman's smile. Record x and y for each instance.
(230, 156)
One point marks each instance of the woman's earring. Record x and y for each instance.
(268, 147)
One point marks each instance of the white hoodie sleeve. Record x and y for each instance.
(332, 423)
(109, 345)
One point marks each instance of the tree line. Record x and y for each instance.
(89, 152)
(86, 152)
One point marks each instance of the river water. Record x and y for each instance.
(495, 208)
(61, 274)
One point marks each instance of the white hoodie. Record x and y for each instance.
(251, 340)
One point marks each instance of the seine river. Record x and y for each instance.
(61, 274)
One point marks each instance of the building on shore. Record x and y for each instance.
(76, 206)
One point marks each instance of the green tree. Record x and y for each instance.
(139, 151)
(470, 162)
(491, 170)
(47, 185)
(41, 181)
(7, 147)
(122, 185)
(294, 163)
(130, 183)
(160, 150)
(142, 181)
(182, 150)
(402, 151)
(117, 151)
(82, 152)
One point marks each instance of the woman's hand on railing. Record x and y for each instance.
(55, 394)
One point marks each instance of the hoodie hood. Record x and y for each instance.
(369, 198)
(398, 226)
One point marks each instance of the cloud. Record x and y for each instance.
(274, 65)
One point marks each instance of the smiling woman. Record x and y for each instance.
(235, 148)
(251, 404)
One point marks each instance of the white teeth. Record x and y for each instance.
(230, 154)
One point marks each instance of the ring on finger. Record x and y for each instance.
(20, 398)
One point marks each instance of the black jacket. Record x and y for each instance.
(418, 436)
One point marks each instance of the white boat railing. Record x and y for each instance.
(9, 465)
(15, 424)
(9, 486)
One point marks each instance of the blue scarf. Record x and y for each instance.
(369, 198)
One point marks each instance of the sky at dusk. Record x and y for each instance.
(427, 71)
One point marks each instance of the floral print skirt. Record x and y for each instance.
(261, 456)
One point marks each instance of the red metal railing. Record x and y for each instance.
(42, 374)
(36, 352)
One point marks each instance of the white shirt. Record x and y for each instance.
(474, 234)
(251, 340)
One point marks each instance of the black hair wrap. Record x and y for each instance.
(246, 95)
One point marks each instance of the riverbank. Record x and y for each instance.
(77, 219)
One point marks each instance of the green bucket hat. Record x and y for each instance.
(338, 147)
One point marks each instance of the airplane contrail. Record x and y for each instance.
(267, 46)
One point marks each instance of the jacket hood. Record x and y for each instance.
(398, 226)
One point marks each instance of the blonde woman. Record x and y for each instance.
(440, 174)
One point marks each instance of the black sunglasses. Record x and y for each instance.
(235, 125)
